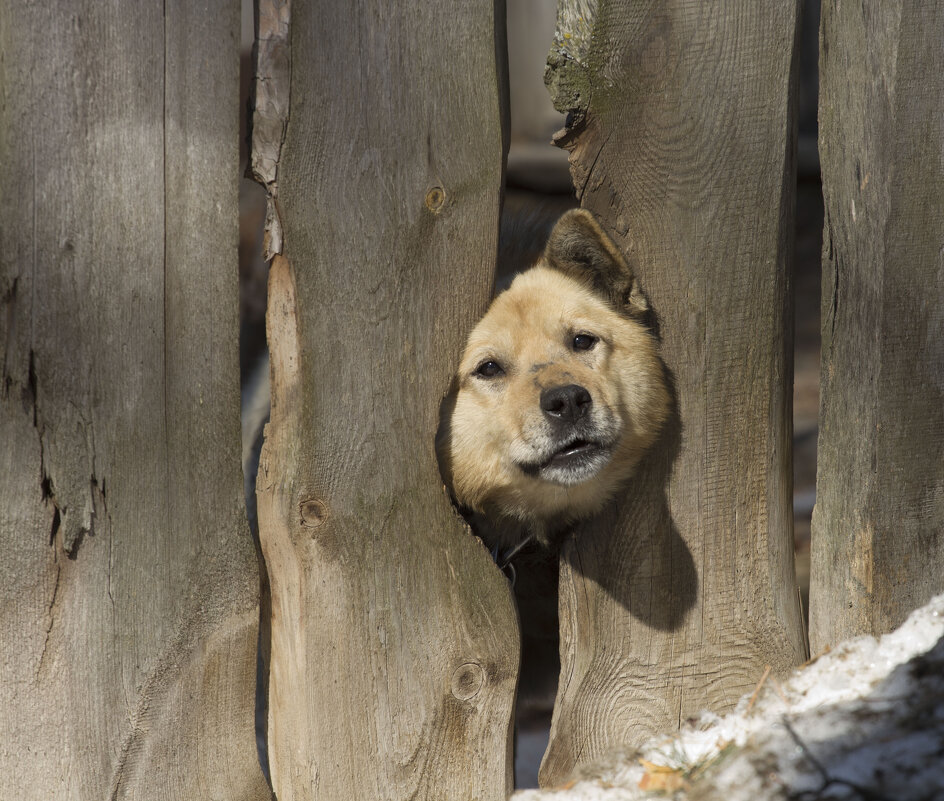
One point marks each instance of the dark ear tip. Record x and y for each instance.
(577, 219)
(578, 214)
(579, 247)
(577, 236)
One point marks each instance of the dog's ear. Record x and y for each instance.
(580, 248)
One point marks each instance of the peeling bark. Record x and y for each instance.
(271, 94)
(568, 74)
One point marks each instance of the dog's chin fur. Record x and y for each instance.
(572, 464)
(502, 455)
(521, 505)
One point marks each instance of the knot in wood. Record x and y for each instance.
(313, 512)
(467, 680)
(435, 198)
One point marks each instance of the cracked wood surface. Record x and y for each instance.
(878, 525)
(681, 139)
(394, 649)
(128, 583)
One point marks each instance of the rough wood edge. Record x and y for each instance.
(272, 60)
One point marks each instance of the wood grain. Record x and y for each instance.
(683, 142)
(394, 639)
(128, 585)
(878, 525)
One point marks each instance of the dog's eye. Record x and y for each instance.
(584, 341)
(489, 369)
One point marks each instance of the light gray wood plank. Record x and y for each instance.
(878, 525)
(682, 140)
(394, 639)
(129, 585)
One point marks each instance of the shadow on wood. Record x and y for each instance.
(634, 551)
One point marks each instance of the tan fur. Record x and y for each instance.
(497, 423)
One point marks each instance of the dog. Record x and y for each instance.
(558, 395)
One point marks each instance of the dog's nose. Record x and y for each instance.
(566, 404)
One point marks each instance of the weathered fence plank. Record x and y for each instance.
(394, 643)
(128, 584)
(878, 525)
(682, 139)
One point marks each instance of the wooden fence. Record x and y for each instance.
(127, 575)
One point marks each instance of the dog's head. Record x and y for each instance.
(560, 390)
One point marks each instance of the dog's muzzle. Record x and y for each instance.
(576, 451)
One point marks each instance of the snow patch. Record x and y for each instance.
(864, 721)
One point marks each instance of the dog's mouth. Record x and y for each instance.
(576, 451)
(572, 463)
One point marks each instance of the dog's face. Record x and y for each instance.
(560, 389)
